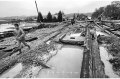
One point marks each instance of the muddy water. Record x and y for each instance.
(105, 59)
(66, 64)
(108, 67)
(12, 72)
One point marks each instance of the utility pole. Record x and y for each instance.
(36, 6)
(37, 9)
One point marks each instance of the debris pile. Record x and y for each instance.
(104, 39)
(114, 47)
(116, 63)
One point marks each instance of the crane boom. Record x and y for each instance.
(36, 6)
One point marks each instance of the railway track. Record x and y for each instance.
(92, 67)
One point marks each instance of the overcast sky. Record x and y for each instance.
(27, 7)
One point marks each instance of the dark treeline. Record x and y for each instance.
(50, 17)
(81, 16)
(111, 12)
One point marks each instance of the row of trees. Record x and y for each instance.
(50, 18)
(80, 16)
(111, 11)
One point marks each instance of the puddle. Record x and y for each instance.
(76, 34)
(65, 64)
(101, 33)
(108, 67)
(74, 37)
(48, 42)
(13, 71)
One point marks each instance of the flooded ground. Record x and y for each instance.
(105, 59)
(101, 33)
(37, 46)
(66, 64)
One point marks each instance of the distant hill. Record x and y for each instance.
(24, 17)
(88, 14)
(71, 14)
(16, 17)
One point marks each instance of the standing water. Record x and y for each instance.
(105, 56)
(105, 59)
(75, 37)
(66, 64)
(101, 33)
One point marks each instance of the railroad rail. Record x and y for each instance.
(92, 67)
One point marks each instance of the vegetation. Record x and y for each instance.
(116, 63)
(60, 16)
(114, 44)
(113, 48)
(40, 17)
(54, 19)
(98, 12)
(74, 16)
(50, 17)
(81, 17)
(29, 19)
(111, 11)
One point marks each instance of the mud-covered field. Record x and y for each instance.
(43, 47)
(99, 56)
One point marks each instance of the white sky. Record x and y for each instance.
(27, 7)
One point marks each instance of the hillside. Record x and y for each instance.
(71, 14)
